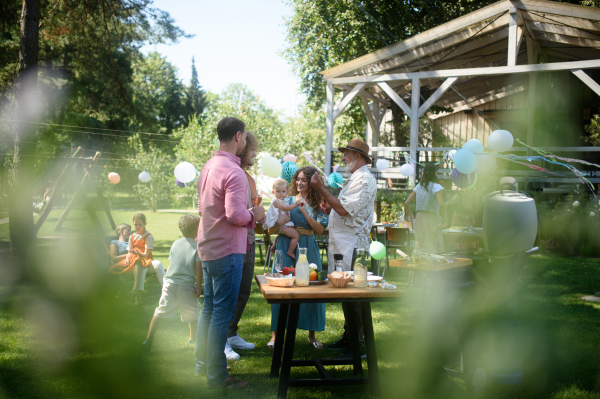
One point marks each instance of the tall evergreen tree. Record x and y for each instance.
(195, 97)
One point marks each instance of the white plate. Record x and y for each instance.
(372, 278)
(352, 272)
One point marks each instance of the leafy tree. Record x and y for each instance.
(324, 33)
(195, 100)
(160, 167)
(157, 95)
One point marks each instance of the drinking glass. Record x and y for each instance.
(256, 201)
(278, 260)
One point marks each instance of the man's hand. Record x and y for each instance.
(317, 182)
(325, 208)
(259, 214)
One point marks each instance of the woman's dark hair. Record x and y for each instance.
(314, 197)
(251, 145)
(119, 229)
(429, 175)
(228, 127)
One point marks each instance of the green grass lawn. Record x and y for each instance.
(70, 332)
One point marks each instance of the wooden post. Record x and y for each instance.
(54, 195)
(329, 127)
(414, 118)
(78, 192)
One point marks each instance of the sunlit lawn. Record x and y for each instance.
(561, 335)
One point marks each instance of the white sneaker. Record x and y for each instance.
(229, 353)
(237, 342)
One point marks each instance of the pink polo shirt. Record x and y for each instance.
(223, 208)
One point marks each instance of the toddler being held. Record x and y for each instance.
(280, 190)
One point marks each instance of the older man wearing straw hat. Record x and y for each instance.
(350, 224)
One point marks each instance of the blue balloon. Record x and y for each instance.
(287, 171)
(335, 180)
(465, 162)
(473, 146)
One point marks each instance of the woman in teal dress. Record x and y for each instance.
(308, 217)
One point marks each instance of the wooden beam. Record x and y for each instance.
(365, 93)
(585, 78)
(563, 30)
(480, 86)
(329, 123)
(435, 96)
(562, 9)
(561, 19)
(489, 71)
(420, 39)
(348, 97)
(456, 44)
(513, 24)
(414, 117)
(370, 117)
(395, 97)
(573, 41)
(478, 100)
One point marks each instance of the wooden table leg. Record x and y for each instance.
(370, 348)
(288, 350)
(354, 344)
(279, 339)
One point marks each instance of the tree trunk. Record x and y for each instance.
(21, 202)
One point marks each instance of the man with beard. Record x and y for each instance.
(222, 243)
(350, 224)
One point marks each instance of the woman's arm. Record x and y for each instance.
(440, 199)
(113, 251)
(407, 209)
(285, 207)
(314, 223)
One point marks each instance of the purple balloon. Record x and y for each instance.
(461, 180)
(179, 184)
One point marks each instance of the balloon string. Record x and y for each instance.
(310, 160)
(410, 160)
(533, 148)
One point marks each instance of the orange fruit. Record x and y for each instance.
(313, 275)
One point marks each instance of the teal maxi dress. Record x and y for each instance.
(312, 315)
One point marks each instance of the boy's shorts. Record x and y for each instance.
(178, 296)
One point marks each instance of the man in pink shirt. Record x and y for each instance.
(222, 243)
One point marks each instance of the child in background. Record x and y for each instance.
(280, 190)
(139, 257)
(182, 283)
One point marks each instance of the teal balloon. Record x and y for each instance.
(287, 171)
(335, 180)
(465, 162)
(377, 250)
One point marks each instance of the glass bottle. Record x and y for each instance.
(400, 221)
(339, 262)
(302, 269)
(416, 253)
(360, 269)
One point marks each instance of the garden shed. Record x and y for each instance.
(527, 66)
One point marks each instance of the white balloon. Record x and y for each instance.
(185, 172)
(486, 165)
(291, 158)
(382, 164)
(451, 154)
(407, 170)
(500, 140)
(144, 177)
(473, 146)
(465, 162)
(271, 166)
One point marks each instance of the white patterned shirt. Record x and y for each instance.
(358, 199)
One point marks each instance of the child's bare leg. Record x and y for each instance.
(295, 237)
(152, 329)
(193, 329)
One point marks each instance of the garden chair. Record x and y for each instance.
(266, 241)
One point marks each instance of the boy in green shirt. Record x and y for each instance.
(182, 283)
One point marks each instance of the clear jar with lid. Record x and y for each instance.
(338, 262)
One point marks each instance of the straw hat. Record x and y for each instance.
(359, 146)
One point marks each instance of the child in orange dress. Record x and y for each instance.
(140, 248)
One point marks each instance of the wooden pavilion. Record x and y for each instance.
(501, 53)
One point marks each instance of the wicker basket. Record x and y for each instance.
(280, 282)
(339, 282)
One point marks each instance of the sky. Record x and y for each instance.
(235, 41)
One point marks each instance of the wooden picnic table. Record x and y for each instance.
(290, 299)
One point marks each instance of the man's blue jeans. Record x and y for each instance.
(222, 279)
